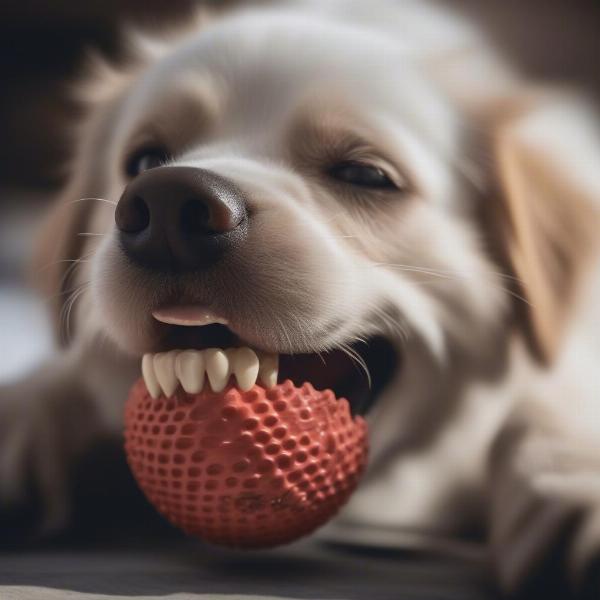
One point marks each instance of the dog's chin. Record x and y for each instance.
(359, 372)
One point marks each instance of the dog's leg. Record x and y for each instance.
(47, 422)
(545, 505)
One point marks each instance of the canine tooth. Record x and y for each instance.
(164, 367)
(245, 367)
(269, 369)
(149, 375)
(190, 369)
(217, 368)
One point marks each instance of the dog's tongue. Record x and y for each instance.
(188, 315)
(245, 469)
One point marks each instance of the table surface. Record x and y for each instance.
(190, 569)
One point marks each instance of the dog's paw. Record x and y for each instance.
(44, 425)
(545, 518)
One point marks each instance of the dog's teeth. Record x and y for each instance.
(190, 369)
(269, 369)
(149, 376)
(245, 367)
(217, 368)
(164, 372)
(230, 354)
(164, 368)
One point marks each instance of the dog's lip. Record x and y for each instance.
(188, 315)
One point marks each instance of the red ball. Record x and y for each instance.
(245, 469)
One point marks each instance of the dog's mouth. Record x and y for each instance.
(211, 354)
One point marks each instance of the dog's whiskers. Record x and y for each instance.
(64, 260)
(284, 331)
(449, 273)
(454, 275)
(67, 309)
(500, 288)
(360, 339)
(53, 297)
(58, 262)
(302, 329)
(92, 199)
(77, 262)
(393, 325)
(356, 359)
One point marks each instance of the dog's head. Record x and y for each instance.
(305, 185)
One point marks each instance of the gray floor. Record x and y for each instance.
(303, 570)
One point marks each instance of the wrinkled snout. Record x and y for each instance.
(178, 219)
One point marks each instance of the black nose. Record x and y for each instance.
(180, 218)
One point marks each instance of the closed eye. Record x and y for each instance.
(362, 175)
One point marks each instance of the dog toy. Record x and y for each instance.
(246, 469)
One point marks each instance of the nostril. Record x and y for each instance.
(132, 215)
(195, 217)
(210, 215)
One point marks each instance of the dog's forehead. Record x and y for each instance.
(263, 69)
(273, 60)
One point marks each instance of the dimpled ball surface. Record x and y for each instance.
(245, 469)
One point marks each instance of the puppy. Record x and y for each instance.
(364, 184)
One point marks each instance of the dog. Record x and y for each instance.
(369, 197)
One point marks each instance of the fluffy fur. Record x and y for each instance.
(475, 269)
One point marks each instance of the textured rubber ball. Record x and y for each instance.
(245, 469)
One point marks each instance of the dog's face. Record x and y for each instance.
(302, 184)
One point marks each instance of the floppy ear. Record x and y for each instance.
(548, 162)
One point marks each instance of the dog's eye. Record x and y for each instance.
(362, 174)
(145, 159)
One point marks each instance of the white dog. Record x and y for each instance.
(366, 181)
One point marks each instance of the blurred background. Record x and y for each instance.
(41, 48)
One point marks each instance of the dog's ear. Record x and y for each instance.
(547, 156)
